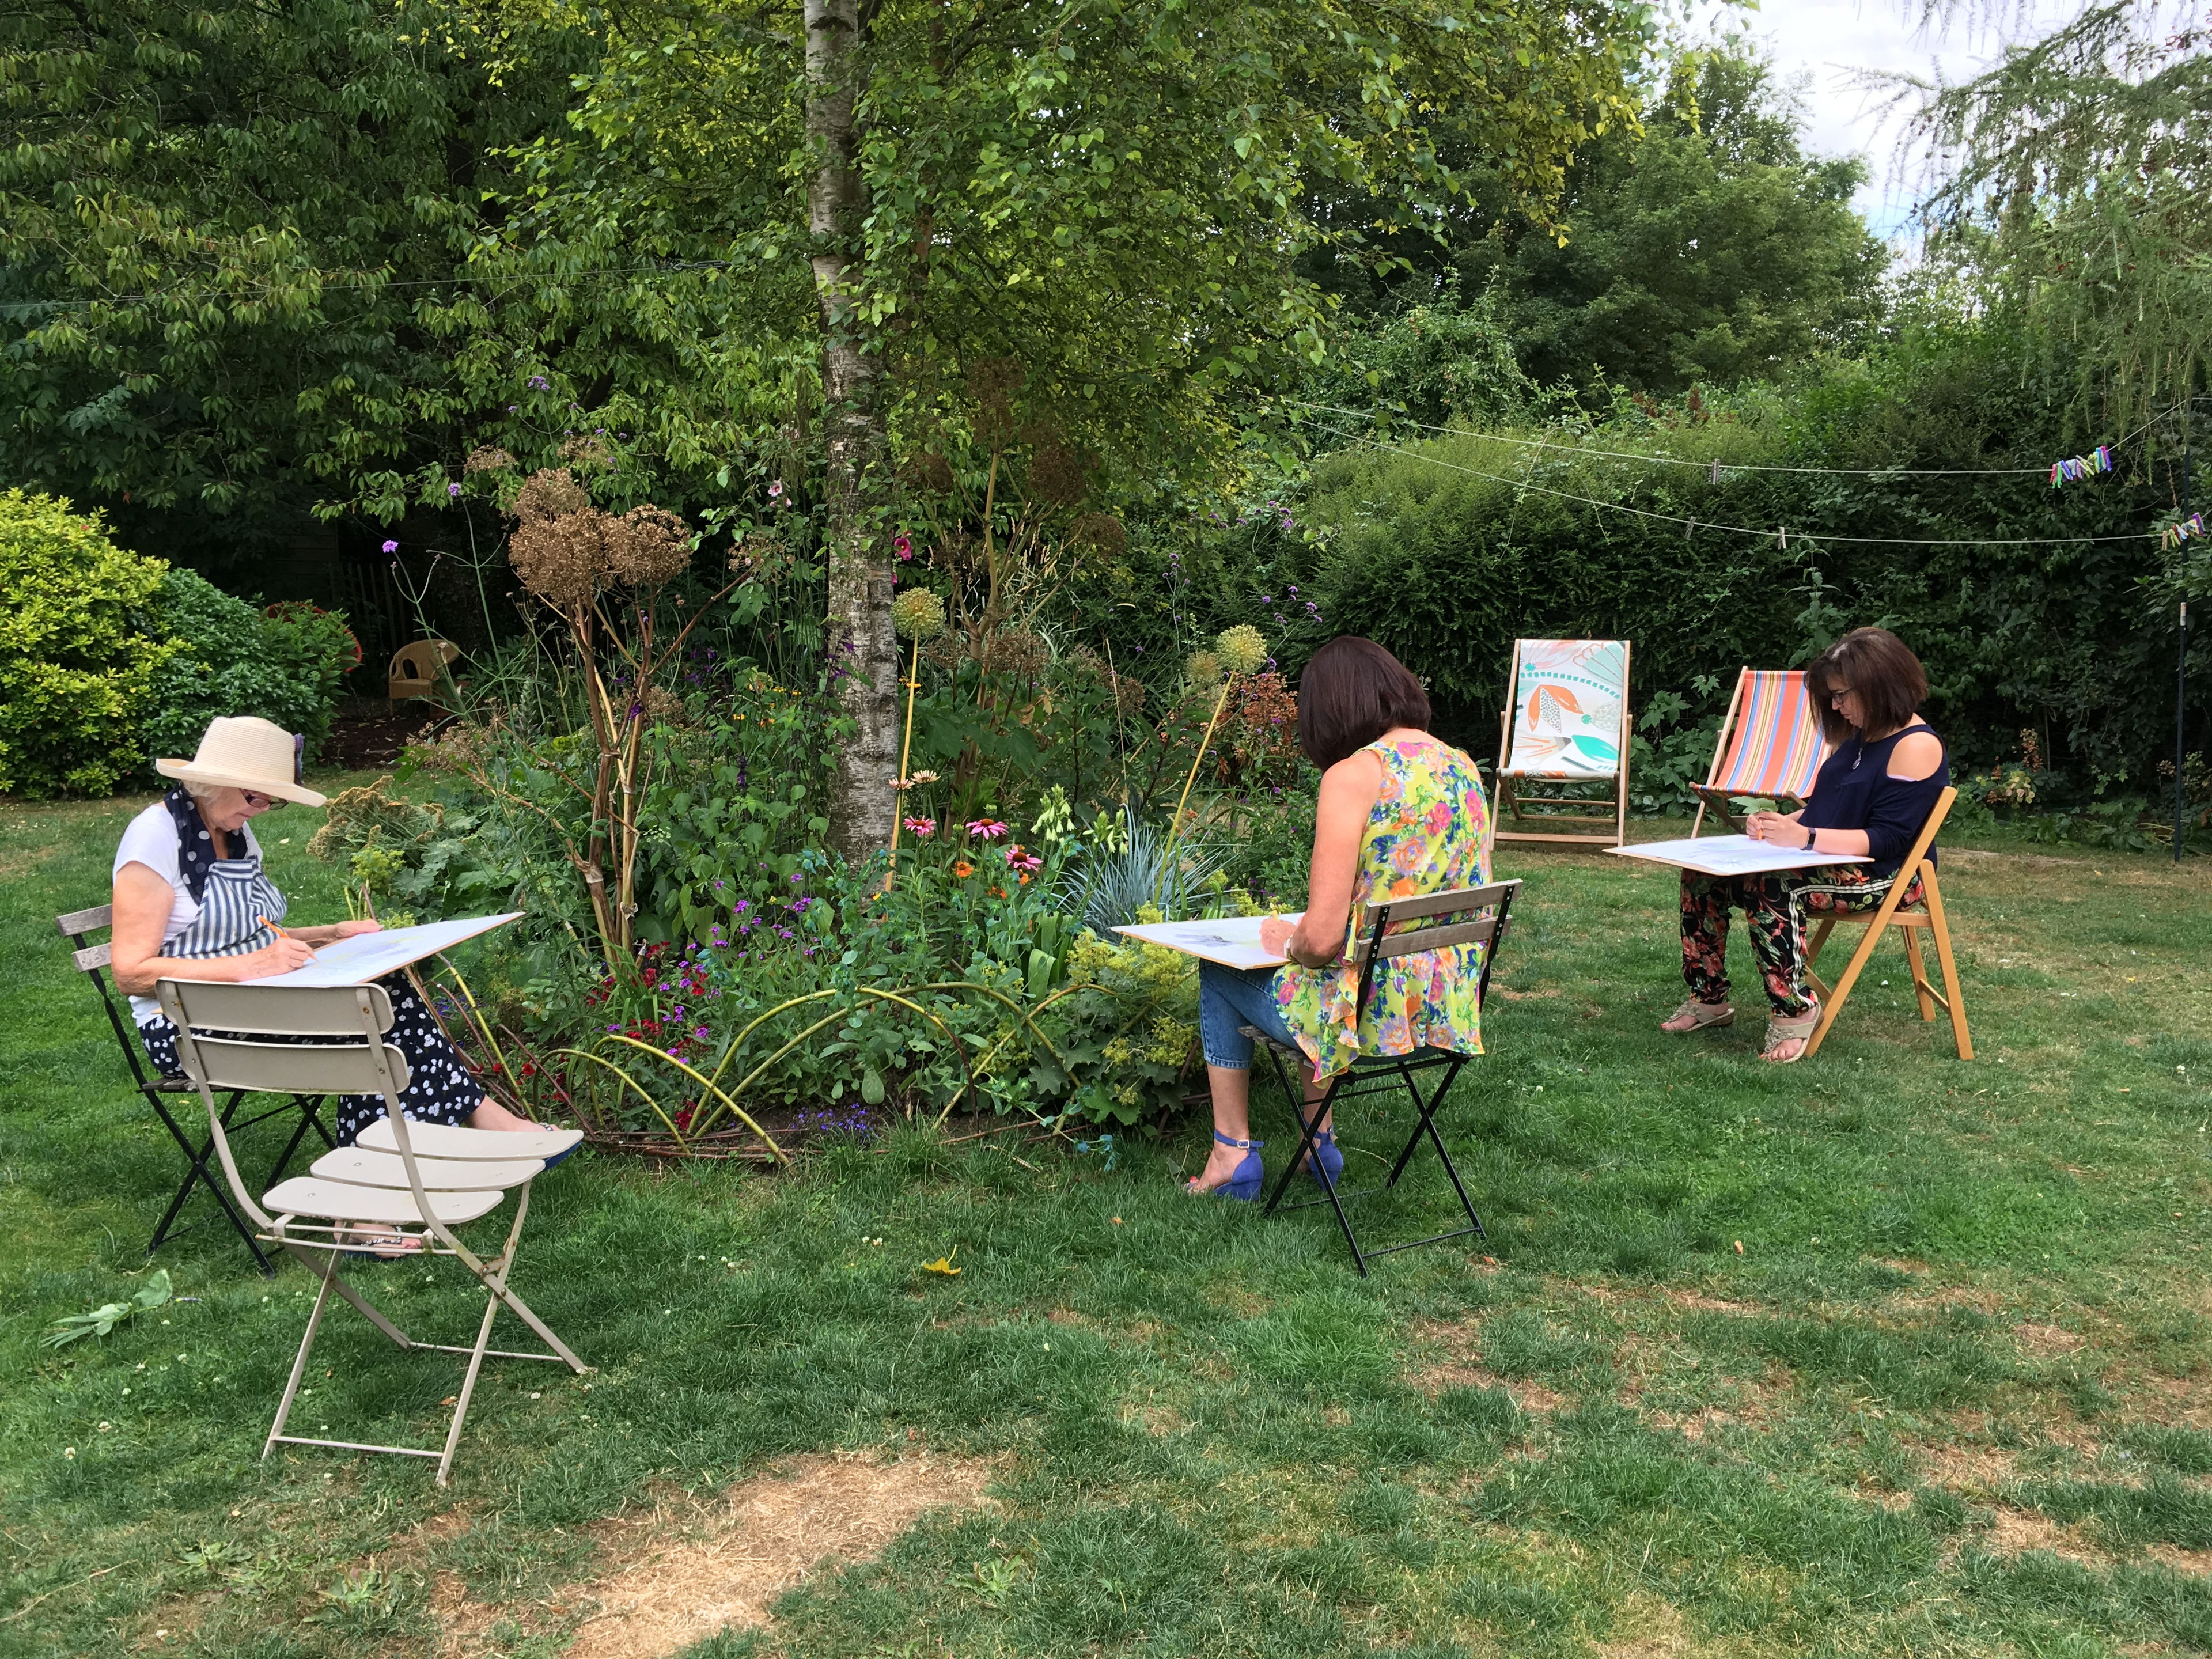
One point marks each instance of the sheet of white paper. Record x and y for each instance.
(1232, 941)
(1732, 855)
(366, 957)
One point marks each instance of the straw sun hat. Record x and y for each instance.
(245, 753)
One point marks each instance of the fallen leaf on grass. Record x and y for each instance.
(943, 1264)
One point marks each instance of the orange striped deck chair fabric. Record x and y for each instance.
(1771, 744)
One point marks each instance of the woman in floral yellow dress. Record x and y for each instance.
(1399, 814)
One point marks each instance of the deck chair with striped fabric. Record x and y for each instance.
(1926, 916)
(420, 1179)
(1566, 725)
(1771, 746)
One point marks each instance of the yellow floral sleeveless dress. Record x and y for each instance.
(1429, 832)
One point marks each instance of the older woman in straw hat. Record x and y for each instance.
(191, 902)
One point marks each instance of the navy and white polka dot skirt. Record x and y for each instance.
(439, 1087)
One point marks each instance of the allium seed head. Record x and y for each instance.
(918, 615)
(1242, 649)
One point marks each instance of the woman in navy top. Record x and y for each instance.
(1871, 800)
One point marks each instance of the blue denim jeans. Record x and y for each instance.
(1229, 998)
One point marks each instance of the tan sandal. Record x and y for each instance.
(1703, 1016)
(1798, 1030)
(373, 1242)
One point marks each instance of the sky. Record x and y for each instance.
(1825, 44)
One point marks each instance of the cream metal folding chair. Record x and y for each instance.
(1926, 916)
(1770, 745)
(1565, 722)
(422, 1178)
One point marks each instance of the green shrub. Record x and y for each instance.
(285, 664)
(76, 662)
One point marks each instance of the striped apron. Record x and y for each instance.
(236, 898)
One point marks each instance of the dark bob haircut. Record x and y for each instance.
(1878, 665)
(1352, 693)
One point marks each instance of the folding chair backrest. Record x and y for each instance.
(1486, 908)
(1777, 746)
(1568, 695)
(92, 962)
(349, 1059)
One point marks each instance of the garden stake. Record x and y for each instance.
(1175, 830)
(906, 753)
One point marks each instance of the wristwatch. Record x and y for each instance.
(1809, 834)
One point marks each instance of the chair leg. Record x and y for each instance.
(1920, 988)
(197, 1159)
(1939, 924)
(1831, 1004)
(300, 1363)
(468, 1388)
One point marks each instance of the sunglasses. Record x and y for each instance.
(261, 803)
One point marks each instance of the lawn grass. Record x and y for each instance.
(1948, 1397)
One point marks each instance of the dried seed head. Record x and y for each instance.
(1242, 649)
(588, 449)
(1015, 651)
(648, 546)
(550, 494)
(1057, 474)
(1102, 530)
(663, 706)
(927, 471)
(992, 383)
(561, 559)
(488, 457)
(1203, 668)
(918, 615)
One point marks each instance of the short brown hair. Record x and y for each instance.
(1878, 665)
(1351, 692)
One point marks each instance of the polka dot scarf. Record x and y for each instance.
(195, 847)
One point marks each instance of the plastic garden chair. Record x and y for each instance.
(77, 927)
(1486, 908)
(1771, 746)
(1925, 916)
(418, 1179)
(1566, 723)
(416, 669)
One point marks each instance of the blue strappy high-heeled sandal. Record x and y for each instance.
(1326, 1166)
(1244, 1184)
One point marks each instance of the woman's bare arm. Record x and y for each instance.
(143, 900)
(1349, 790)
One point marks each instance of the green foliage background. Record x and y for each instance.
(76, 661)
(285, 665)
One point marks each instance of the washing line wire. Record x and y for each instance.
(2043, 471)
(1768, 533)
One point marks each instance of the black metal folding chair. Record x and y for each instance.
(1387, 1073)
(77, 927)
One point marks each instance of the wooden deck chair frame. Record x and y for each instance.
(1510, 798)
(1490, 908)
(77, 927)
(1710, 795)
(399, 1174)
(1927, 918)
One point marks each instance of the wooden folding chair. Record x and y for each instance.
(1387, 1073)
(1926, 916)
(1770, 746)
(77, 927)
(1566, 723)
(424, 1179)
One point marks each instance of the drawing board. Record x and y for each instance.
(1733, 855)
(368, 957)
(1232, 941)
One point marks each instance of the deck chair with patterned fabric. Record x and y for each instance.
(1926, 916)
(77, 927)
(1566, 725)
(421, 1179)
(1771, 746)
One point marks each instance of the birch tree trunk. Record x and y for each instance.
(863, 655)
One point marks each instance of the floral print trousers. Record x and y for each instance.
(1774, 908)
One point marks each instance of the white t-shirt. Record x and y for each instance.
(150, 839)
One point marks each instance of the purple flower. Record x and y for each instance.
(391, 547)
(511, 408)
(539, 383)
(454, 490)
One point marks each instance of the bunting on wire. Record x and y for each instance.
(2188, 529)
(2075, 468)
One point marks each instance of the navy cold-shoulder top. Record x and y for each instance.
(1855, 791)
